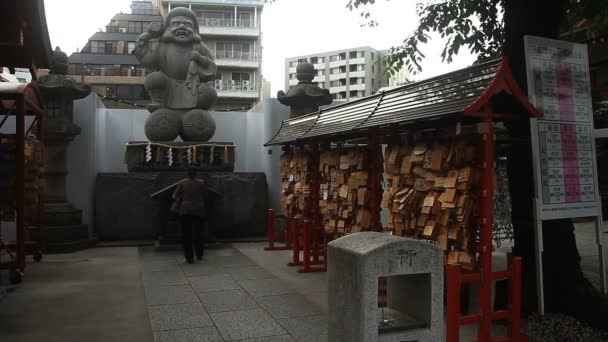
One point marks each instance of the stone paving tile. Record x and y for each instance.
(239, 325)
(156, 266)
(283, 338)
(210, 283)
(227, 301)
(265, 287)
(165, 278)
(233, 261)
(306, 329)
(248, 273)
(209, 334)
(289, 305)
(200, 269)
(178, 316)
(161, 295)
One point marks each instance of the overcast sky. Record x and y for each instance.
(289, 28)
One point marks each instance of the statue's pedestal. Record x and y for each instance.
(144, 156)
(125, 210)
(64, 231)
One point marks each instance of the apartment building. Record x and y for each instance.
(348, 74)
(106, 62)
(231, 30)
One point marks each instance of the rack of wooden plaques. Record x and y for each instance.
(24, 184)
(439, 164)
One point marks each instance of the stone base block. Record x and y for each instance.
(65, 239)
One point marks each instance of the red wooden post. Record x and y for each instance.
(288, 233)
(270, 230)
(485, 234)
(306, 235)
(453, 303)
(296, 242)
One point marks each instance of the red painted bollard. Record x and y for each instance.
(295, 229)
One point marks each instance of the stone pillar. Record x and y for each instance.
(65, 231)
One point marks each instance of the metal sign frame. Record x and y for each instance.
(558, 132)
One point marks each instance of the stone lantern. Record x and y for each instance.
(306, 96)
(65, 231)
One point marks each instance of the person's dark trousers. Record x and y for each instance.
(192, 224)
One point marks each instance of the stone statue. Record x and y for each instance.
(64, 228)
(306, 97)
(180, 93)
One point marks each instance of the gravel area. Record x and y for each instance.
(561, 328)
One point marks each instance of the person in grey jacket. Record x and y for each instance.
(191, 194)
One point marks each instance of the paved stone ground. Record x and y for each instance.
(225, 297)
(94, 295)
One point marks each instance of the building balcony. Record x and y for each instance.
(360, 86)
(356, 74)
(242, 90)
(236, 59)
(359, 60)
(335, 64)
(334, 77)
(335, 90)
(228, 27)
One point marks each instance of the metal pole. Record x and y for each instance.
(538, 230)
(270, 230)
(375, 152)
(600, 246)
(20, 145)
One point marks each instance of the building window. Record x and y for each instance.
(356, 80)
(334, 71)
(97, 46)
(233, 50)
(136, 27)
(293, 64)
(302, 60)
(356, 67)
(292, 76)
(342, 95)
(333, 58)
(240, 76)
(130, 47)
(321, 59)
(244, 20)
(321, 84)
(110, 47)
(334, 84)
(314, 60)
(372, 56)
(320, 72)
(357, 93)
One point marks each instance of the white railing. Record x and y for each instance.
(238, 23)
(234, 55)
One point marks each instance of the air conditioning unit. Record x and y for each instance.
(231, 85)
(246, 85)
(122, 29)
(218, 84)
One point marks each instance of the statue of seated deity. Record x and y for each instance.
(179, 89)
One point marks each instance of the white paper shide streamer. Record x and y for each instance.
(148, 152)
(170, 156)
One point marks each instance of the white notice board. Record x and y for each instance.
(562, 141)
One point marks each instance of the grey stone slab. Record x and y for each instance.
(227, 301)
(415, 285)
(160, 265)
(209, 334)
(306, 329)
(248, 273)
(233, 261)
(265, 287)
(289, 305)
(226, 251)
(161, 295)
(283, 338)
(165, 278)
(200, 269)
(239, 325)
(210, 283)
(178, 316)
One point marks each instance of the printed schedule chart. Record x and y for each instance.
(558, 85)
